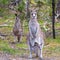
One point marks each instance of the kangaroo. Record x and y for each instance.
(17, 31)
(35, 36)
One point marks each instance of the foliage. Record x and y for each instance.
(4, 2)
(21, 6)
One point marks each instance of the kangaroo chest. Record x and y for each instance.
(33, 28)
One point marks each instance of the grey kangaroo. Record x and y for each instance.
(17, 31)
(35, 36)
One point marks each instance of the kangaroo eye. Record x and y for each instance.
(32, 14)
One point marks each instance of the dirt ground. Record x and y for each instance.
(47, 55)
(4, 56)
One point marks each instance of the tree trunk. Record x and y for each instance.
(28, 11)
(53, 18)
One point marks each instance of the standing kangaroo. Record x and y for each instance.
(35, 37)
(17, 31)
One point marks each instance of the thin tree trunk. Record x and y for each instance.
(28, 11)
(53, 18)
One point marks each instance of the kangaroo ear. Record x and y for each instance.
(30, 9)
(37, 9)
(15, 14)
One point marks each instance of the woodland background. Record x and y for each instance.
(20, 51)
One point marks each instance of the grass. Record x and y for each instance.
(57, 24)
(53, 47)
(4, 46)
(21, 45)
(7, 48)
(57, 40)
(5, 29)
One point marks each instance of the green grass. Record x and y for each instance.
(53, 47)
(57, 40)
(57, 25)
(5, 30)
(4, 46)
(23, 45)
